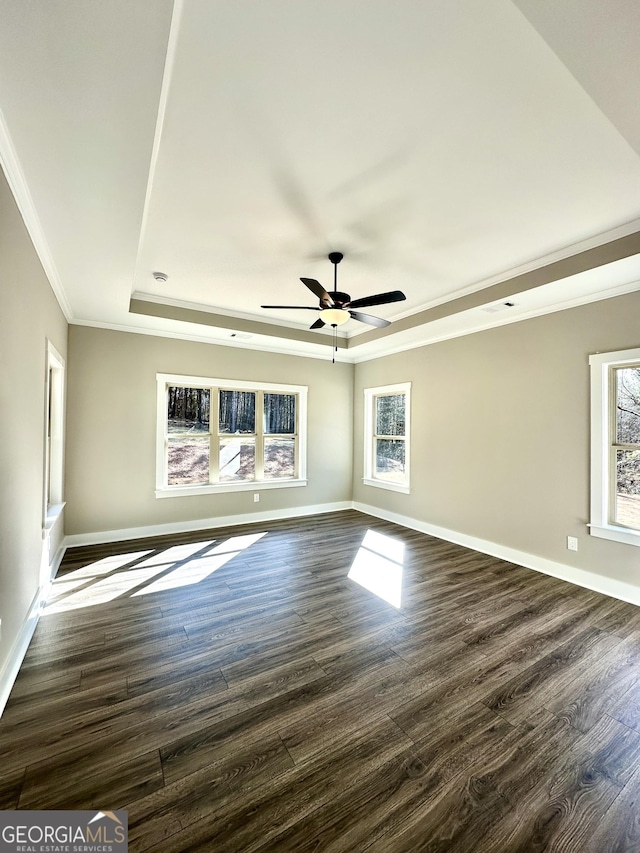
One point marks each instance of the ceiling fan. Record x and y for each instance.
(337, 307)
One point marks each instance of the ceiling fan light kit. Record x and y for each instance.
(334, 316)
(336, 307)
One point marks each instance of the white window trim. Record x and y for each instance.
(369, 479)
(53, 488)
(601, 401)
(165, 491)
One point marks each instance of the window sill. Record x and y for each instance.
(383, 484)
(53, 514)
(617, 534)
(224, 488)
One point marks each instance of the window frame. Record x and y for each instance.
(604, 445)
(54, 437)
(370, 436)
(164, 380)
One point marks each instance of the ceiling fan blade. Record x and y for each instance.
(378, 299)
(298, 307)
(316, 288)
(318, 324)
(367, 318)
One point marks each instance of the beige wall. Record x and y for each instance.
(500, 441)
(30, 315)
(500, 420)
(110, 472)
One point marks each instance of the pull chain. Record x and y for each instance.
(334, 346)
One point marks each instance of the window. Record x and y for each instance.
(615, 446)
(220, 436)
(386, 439)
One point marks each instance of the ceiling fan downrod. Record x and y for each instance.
(335, 258)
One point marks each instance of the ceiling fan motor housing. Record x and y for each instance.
(339, 299)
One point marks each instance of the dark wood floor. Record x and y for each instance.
(236, 691)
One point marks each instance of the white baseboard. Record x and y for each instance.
(57, 559)
(100, 537)
(598, 583)
(12, 665)
(589, 580)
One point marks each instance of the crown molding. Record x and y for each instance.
(14, 173)
(600, 255)
(566, 252)
(259, 346)
(495, 321)
(185, 304)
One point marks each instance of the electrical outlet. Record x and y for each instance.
(572, 543)
(256, 497)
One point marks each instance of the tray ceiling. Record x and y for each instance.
(444, 148)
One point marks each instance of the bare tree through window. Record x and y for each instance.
(238, 434)
(627, 446)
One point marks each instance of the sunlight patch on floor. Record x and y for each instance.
(109, 578)
(175, 554)
(103, 590)
(378, 566)
(104, 566)
(193, 571)
(237, 543)
(198, 568)
(64, 586)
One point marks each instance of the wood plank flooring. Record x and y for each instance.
(236, 691)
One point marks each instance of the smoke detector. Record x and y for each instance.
(161, 277)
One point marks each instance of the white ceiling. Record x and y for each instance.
(444, 146)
